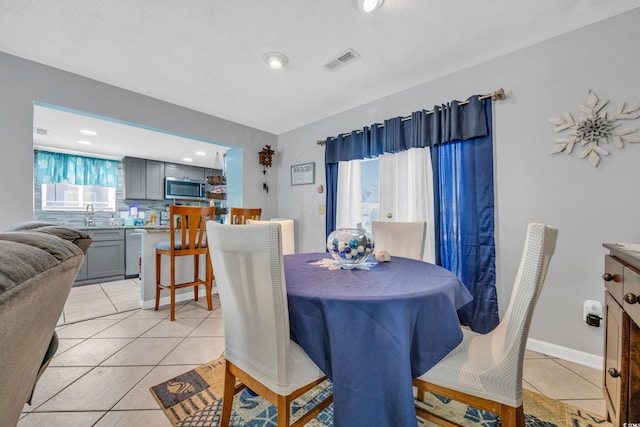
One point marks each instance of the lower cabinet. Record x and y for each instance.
(622, 336)
(104, 260)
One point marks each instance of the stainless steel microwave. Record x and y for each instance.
(182, 188)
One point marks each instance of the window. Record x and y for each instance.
(67, 197)
(369, 191)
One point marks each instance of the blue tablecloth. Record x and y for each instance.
(372, 331)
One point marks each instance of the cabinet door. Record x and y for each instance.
(175, 170)
(106, 259)
(616, 353)
(84, 271)
(634, 372)
(154, 188)
(134, 171)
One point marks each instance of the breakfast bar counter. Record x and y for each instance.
(184, 269)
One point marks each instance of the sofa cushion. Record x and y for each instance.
(25, 254)
(77, 237)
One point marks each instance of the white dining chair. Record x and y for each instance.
(258, 349)
(485, 371)
(287, 233)
(402, 239)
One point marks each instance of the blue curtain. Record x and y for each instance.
(54, 168)
(462, 159)
(464, 193)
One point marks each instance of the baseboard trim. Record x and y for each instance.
(565, 353)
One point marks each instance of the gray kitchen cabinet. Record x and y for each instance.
(175, 170)
(104, 260)
(83, 273)
(154, 186)
(143, 179)
(134, 171)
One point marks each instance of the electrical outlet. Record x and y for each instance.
(592, 313)
(321, 209)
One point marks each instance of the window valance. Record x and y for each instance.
(446, 123)
(54, 168)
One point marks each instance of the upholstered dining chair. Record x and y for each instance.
(258, 350)
(485, 371)
(241, 215)
(287, 233)
(192, 241)
(402, 239)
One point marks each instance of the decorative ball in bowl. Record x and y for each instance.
(350, 246)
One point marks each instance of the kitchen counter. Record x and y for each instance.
(184, 269)
(161, 228)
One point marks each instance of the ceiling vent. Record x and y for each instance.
(342, 59)
(41, 131)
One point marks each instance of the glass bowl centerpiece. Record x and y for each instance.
(350, 247)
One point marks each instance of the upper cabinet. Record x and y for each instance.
(175, 170)
(134, 171)
(143, 179)
(154, 180)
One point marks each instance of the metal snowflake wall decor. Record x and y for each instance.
(595, 129)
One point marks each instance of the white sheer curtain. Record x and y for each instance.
(406, 191)
(349, 197)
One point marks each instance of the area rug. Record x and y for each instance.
(194, 399)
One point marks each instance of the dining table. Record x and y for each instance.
(372, 330)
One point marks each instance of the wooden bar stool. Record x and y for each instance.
(192, 242)
(241, 215)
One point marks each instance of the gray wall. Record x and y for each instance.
(589, 205)
(23, 82)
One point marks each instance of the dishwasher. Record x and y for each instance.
(133, 247)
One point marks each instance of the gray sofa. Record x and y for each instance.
(38, 264)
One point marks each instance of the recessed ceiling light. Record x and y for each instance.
(89, 132)
(187, 159)
(368, 5)
(200, 153)
(84, 142)
(276, 60)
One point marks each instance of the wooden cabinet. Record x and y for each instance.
(143, 179)
(621, 384)
(104, 260)
(175, 170)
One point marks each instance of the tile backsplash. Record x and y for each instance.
(101, 218)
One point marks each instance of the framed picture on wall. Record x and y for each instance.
(303, 173)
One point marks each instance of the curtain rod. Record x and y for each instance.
(497, 95)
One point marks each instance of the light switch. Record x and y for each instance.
(321, 209)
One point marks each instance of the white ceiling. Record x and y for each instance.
(116, 139)
(207, 55)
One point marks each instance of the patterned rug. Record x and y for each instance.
(193, 399)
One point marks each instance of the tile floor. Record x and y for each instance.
(104, 367)
(90, 301)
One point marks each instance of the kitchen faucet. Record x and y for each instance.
(88, 217)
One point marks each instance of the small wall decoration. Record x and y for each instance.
(596, 129)
(303, 173)
(265, 158)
